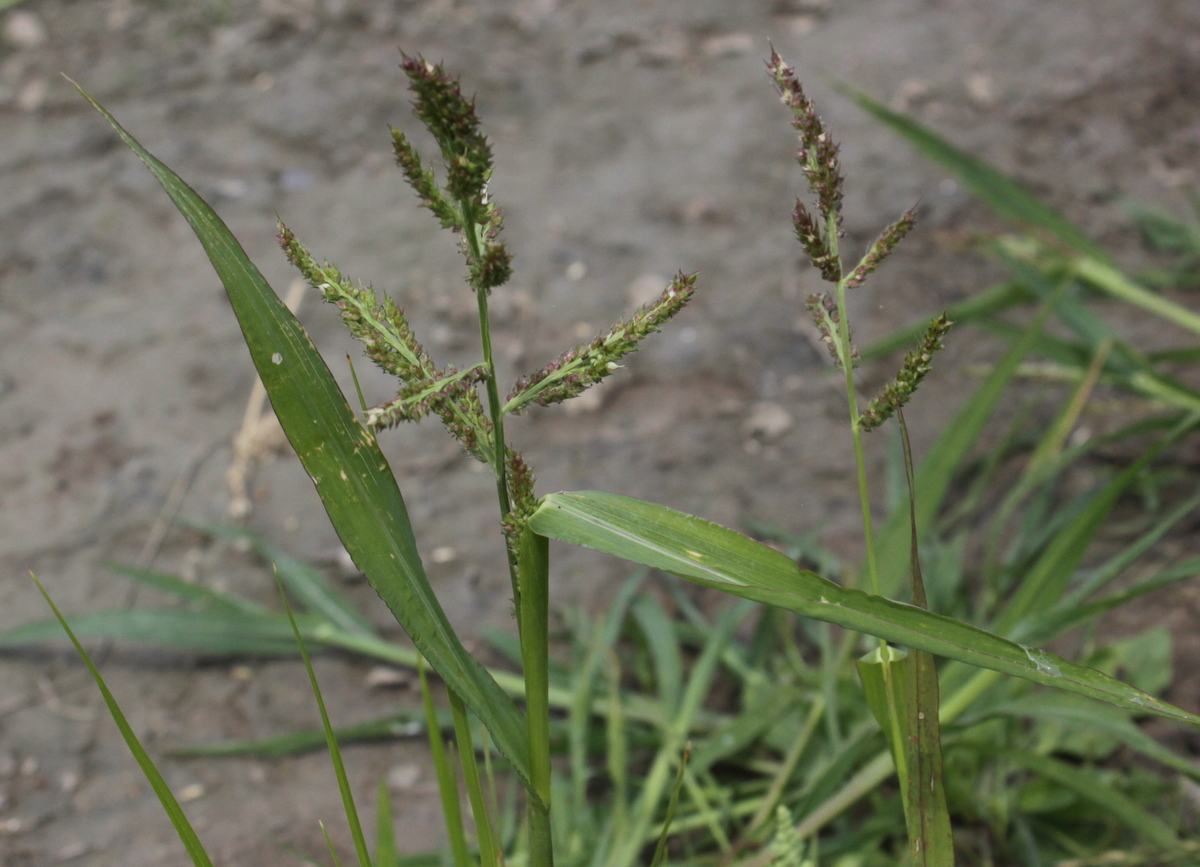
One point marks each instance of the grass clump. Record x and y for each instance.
(648, 771)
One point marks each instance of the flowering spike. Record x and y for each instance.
(382, 328)
(451, 117)
(883, 245)
(815, 244)
(818, 153)
(582, 367)
(916, 365)
(422, 181)
(824, 312)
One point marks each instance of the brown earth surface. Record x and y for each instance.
(632, 139)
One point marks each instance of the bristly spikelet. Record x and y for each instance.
(823, 310)
(816, 245)
(451, 117)
(883, 245)
(417, 399)
(464, 204)
(818, 153)
(524, 502)
(494, 266)
(577, 369)
(423, 182)
(382, 328)
(916, 365)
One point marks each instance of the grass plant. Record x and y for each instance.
(1022, 772)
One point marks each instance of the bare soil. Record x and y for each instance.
(632, 139)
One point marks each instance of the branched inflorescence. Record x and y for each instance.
(463, 205)
(916, 365)
(818, 158)
(390, 343)
(577, 369)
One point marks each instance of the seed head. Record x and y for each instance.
(917, 365)
(577, 369)
(816, 245)
(452, 119)
(818, 153)
(883, 245)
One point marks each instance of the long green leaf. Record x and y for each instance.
(718, 557)
(1089, 786)
(344, 461)
(219, 633)
(926, 814)
(994, 188)
(303, 580)
(335, 752)
(183, 827)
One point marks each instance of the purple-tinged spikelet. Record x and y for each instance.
(818, 153)
(524, 503)
(577, 369)
(816, 245)
(452, 119)
(883, 245)
(823, 310)
(422, 181)
(916, 365)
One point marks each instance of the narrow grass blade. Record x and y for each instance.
(391, 727)
(303, 580)
(212, 633)
(927, 817)
(1047, 581)
(1088, 786)
(660, 850)
(335, 752)
(385, 832)
(1093, 717)
(718, 557)
(1113, 283)
(995, 189)
(329, 845)
(470, 766)
(446, 777)
(663, 643)
(183, 827)
(344, 461)
(185, 590)
(675, 736)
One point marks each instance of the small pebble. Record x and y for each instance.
(768, 420)
(382, 676)
(401, 778)
(23, 29)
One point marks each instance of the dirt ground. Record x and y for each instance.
(632, 139)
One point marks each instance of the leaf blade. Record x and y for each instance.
(343, 459)
(718, 557)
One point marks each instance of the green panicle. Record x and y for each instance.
(883, 245)
(451, 117)
(578, 369)
(917, 365)
(423, 182)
